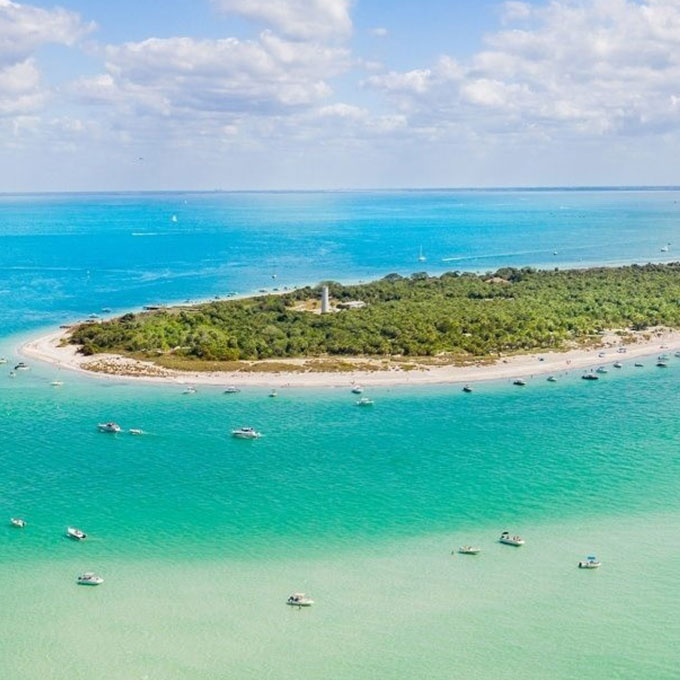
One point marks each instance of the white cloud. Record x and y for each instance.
(181, 76)
(590, 67)
(24, 28)
(379, 32)
(296, 19)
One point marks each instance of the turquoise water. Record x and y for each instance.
(201, 537)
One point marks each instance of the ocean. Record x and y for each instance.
(201, 538)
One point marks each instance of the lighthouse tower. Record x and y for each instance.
(325, 304)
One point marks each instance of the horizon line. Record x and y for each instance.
(500, 188)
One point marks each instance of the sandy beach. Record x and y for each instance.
(48, 348)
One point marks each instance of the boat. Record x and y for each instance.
(663, 357)
(638, 364)
(89, 578)
(12, 374)
(677, 355)
(299, 600)
(591, 562)
(601, 369)
(421, 257)
(21, 366)
(3, 360)
(106, 310)
(231, 390)
(56, 383)
(467, 388)
(173, 218)
(664, 249)
(469, 550)
(17, 522)
(661, 364)
(136, 431)
(511, 540)
(75, 534)
(109, 427)
(520, 382)
(590, 376)
(273, 393)
(618, 364)
(365, 401)
(357, 389)
(551, 378)
(245, 433)
(189, 390)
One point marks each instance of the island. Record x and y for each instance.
(457, 326)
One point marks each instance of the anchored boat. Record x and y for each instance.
(299, 600)
(511, 540)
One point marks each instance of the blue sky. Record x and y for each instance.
(328, 94)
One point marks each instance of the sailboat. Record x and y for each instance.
(421, 257)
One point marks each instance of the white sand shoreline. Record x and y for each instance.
(47, 349)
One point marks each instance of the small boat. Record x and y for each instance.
(551, 378)
(520, 382)
(273, 393)
(467, 388)
(511, 540)
(299, 600)
(56, 383)
(590, 376)
(618, 364)
(136, 431)
(661, 364)
(421, 256)
(677, 354)
(106, 310)
(75, 534)
(21, 366)
(12, 374)
(664, 249)
(17, 522)
(89, 578)
(3, 360)
(246, 433)
(231, 390)
(638, 364)
(365, 401)
(602, 370)
(469, 550)
(591, 562)
(357, 389)
(109, 427)
(173, 218)
(189, 390)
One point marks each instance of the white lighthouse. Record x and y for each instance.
(325, 304)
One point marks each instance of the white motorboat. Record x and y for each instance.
(551, 378)
(469, 550)
(109, 427)
(56, 383)
(365, 401)
(246, 433)
(136, 431)
(21, 366)
(75, 534)
(511, 540)
(3, 360)
(664, 249)
(590, 376)
(17, 522)
(273, 393)
(520, 382)
(661, 364)
(591, 562)
(89, 578)
(357, 389)
(602, 369)
(638, 364)
(299, 600)
(467, 388)
(618, 364)
(189, 390)
(232, 389)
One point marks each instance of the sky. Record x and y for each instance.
(143, 95)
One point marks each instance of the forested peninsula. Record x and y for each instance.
(462, 316)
